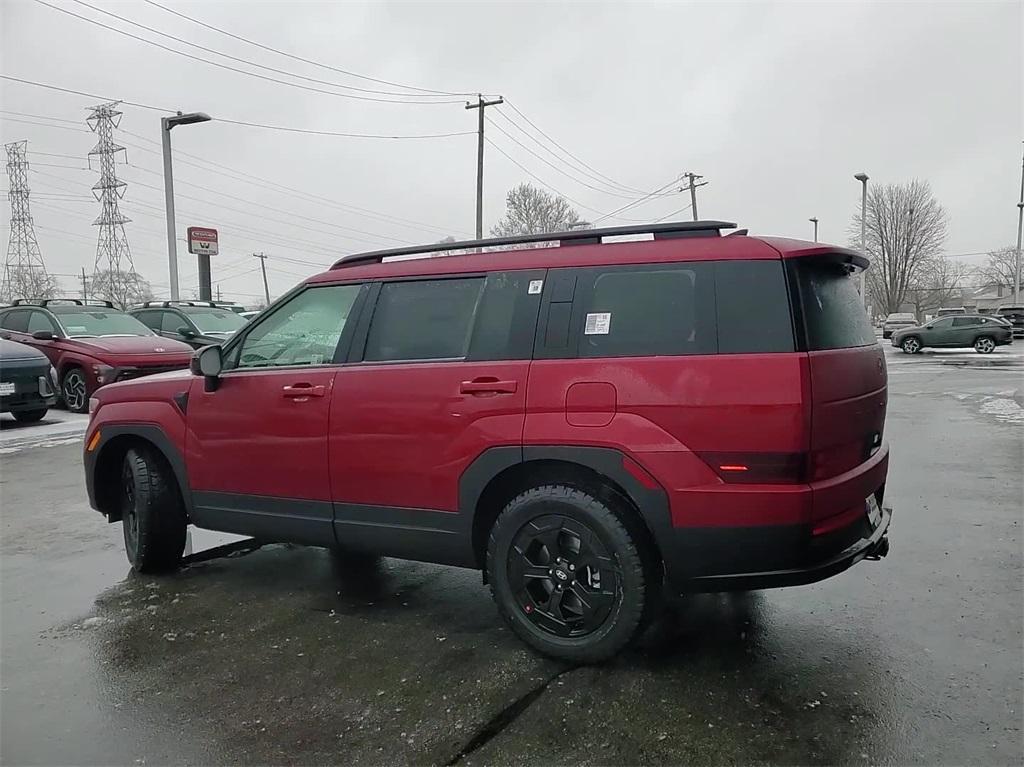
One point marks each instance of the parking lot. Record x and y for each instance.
(281, 654)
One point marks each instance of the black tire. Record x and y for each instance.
(74, 390)
(152, 513)
(984, 344)
(911, 345)
(546, 532)
(30, 416)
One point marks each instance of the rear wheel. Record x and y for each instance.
(152, 512)
(75, 391)
(567, 575)
(29, 416)
(911, 345)
(984, 345)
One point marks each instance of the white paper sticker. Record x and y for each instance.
(535, 287)
(598, 324)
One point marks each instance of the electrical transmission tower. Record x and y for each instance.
(114, 275)
(25, 274)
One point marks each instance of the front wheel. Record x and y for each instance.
(75, 391)
(152, 513)
(29, 416)
(984, 345)
(911, 345)
(567, 575)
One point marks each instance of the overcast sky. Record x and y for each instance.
(777, 105)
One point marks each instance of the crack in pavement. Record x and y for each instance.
(500, 721)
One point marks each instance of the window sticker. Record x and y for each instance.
(598, 324)
(535, 287)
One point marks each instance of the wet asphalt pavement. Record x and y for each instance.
(282, 654)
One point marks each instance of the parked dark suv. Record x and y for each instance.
(196, 323)
(90, 343)
(595, 426)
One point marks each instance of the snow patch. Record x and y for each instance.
(1003, 409)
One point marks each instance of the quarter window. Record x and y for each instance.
(303, 331)
(752, 306)
(423, 320)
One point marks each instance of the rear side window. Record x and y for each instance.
(17, 321)
(833, 311)
(752, 307)
(150, 319)
(961, 322)
(650, 311)
(507, 318)
(423, 320)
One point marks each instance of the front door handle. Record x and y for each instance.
(488, 386)
(300, 390)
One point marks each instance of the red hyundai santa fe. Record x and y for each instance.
(596, 424)
(90, 344)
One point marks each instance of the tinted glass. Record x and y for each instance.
(17, 321)
(507, 318)
(944, 322)
(753, 307)
(650, 312)
(303, 331)
(150, 319)
(101, 322)
(216, 320)
(960, 322)
(423, 320)
(171, 321)
(39, 321)
(832, 307)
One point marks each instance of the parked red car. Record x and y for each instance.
(90, 344)
(595, 425)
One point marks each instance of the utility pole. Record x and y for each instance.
(263, 266)
(218, 292)
(814, 220)
(481, 104)
(85, 286)
(692, 186)
(24, 272)
(1020, 225)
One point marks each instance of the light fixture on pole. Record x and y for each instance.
(166, 123)
(863, 179)
(814, 220)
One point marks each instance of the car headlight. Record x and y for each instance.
(104, 374)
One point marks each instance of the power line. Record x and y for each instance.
(642, 199)
(207, 25)
(81, 93)
(249, 62)
(230, 68)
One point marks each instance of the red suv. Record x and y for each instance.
(90, 344)
(595, 426)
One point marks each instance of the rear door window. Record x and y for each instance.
(150, 319)
(833, 310)
(16, 321)
(423, 320)
(963, 322)
(507, 319)
(656, 310)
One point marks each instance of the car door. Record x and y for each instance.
(256, 445)
(964, 330)
(438, 376)
(939, 332)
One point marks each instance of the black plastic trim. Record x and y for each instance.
(292, 520)
(425, 535)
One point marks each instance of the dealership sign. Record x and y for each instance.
(202, 241)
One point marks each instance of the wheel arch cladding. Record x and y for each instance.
(105, 474)
(599, 471)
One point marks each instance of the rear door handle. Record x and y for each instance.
(488, 386)
(303, 390)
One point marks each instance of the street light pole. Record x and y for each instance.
(1020, 225)
(814, 220)
(166, 123)
(863, 179)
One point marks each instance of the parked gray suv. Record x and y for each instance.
(961, 330)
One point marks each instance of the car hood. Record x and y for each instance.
(148, 345)
(902, 331)
(11, 351)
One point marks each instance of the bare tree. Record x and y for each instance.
(940, 281)
(529, 210)
(120, 287)
(905, 229)
(28, 282)
(1000, 267)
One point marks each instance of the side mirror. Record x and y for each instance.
(186, 332)
(43, 335)
(929, 327)
(208, 363)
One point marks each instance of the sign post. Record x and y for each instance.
(203, 242)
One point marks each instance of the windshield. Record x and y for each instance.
(216, 320)
(85, 324)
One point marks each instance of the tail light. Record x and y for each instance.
(758, 468)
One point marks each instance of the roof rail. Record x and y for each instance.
(56, 301)
(660, 231)
(167, 303)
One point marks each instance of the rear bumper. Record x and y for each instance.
(874, 545)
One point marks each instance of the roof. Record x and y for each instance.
(691, 241)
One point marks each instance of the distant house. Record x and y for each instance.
(988, 298)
